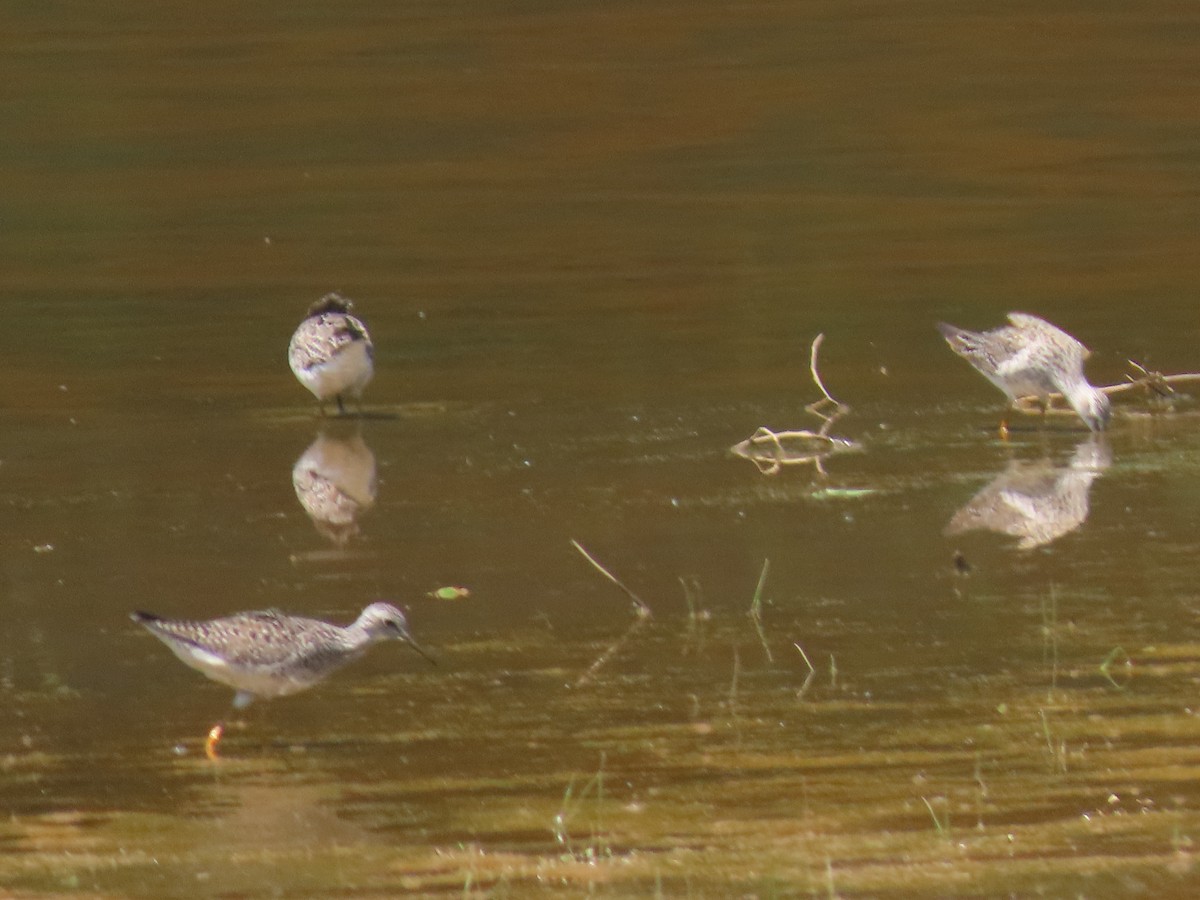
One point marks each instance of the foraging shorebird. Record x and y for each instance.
(1036, 502)
(331, 352)
(269, 654)
(1031, 357)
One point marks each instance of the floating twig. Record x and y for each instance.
(812, 671)
(1152, 382)
(756, 610)
(771, 450)
(804, 656)
(839, 407)
(639, 605)
(610, 651)
(640, 608)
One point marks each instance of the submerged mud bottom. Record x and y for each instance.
(717, 772)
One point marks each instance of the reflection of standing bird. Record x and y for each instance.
(335, 483)
(270, 654)
(1036, 502)
(331, 352)
(1031, 357)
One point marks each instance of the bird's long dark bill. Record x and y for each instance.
(408, 639)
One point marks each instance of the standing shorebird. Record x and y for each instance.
(1031, 357)
(331, 352)
(269, 654)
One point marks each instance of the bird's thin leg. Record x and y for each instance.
(214, 737)
(341, 406)
(241, 700)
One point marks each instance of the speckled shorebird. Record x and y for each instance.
(331, 352)
(1031, 357)
(269, 654)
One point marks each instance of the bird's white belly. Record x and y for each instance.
(261, 682)
(347, 373)
(1023, 385)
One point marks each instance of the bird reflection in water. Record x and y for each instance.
(335, 483)
(1037, 502)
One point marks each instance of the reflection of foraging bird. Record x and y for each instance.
(331, 352)
(1036, 502)
(270, 654)
(1031, 357)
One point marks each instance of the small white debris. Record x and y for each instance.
(43, 548)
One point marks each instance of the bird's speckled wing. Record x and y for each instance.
(1052, 333)
(322, 337)
(260, 639)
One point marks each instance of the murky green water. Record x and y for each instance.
(593, 243)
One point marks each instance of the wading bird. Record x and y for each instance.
(269, 654)
(331, 352)
(1031, 357)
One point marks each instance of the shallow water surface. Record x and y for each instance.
(593, 244)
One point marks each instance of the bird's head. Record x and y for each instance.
(382, 621)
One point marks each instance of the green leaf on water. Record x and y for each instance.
(450, 592)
